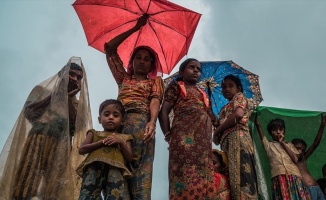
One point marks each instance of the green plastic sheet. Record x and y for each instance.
(298, 124)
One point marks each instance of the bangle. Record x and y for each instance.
(153, 123)
(166, 133)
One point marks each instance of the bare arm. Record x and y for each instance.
(165, 120)
(87, 146)
(231, 121)
(115, 42)
(259, 129)
(294, 157)
(154, 108)
(318, 137)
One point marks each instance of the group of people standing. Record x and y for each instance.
(119, 162)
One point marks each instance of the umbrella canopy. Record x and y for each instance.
(212, 76)
(169, 29)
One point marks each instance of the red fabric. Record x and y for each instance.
(222, 186)
(169, 30)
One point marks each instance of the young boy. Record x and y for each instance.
(310, 183)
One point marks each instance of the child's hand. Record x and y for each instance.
(280, 138)
(112, 139)
(323, 121)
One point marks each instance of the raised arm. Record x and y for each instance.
(115, 42)
(259, 129)
(318, 137)
(113, 59)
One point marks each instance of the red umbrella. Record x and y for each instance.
(169, 30)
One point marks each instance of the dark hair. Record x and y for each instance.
(219, 157)
(151, 54)
(322, 183)
(235, 79)
(115, 102)
(184, 65)
(274, 124)
(324, 167)
(299, 141)
(76, 67)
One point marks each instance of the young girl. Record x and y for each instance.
(221, 181)
(286, 177)
(141, 94)
(234, 137)
(108, 151)
(191, 172)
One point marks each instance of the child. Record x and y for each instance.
(191, 172)
(308, 181)
(234, 137)
(141, 93)
(220, 168)
(105, 165)
(286, 177)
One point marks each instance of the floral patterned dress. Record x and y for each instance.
(191, 174)
(136, 97)
(236, 142)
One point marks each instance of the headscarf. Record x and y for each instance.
(158, 67)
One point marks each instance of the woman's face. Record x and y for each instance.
(191, 73)
(142, 62)
(229, 89)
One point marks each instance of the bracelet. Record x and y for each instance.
(166, 133)
(153, 123)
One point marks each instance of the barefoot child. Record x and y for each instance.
(286, 177)
(108, 151)
(309, 181)
(220, 171)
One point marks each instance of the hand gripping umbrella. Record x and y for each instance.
(169, 30)
(212, 76)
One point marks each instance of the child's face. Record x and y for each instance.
(278, 134)
(229, 89)
(300, 147)
(110, 118)
(191, 73)
(142, 62)
(217, 165)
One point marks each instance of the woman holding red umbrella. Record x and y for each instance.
(141, 92)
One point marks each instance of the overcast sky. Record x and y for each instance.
(282, 41)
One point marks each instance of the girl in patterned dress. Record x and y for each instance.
(191, 174)
(234, 137)
(141, 93)
(104, 168)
